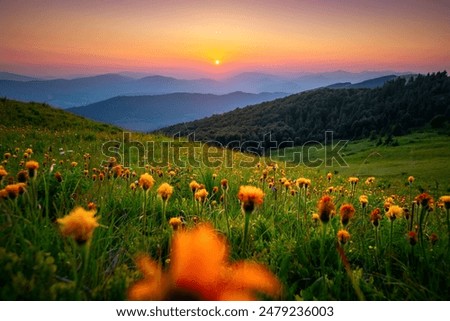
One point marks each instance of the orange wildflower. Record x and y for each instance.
(249, 197)
(92, 206)
(3, 173)
(303, 182)
(199, 270)
(58, 177)
(193, 185)
(412, 237)
(329, 177)
(146, 181)
(165, 191)
(346, 212)
(224, 184)
(112, 162)
(175, 222)
(325, 208)
(375, 217)
(32, 167)
(201, 195)
(363, 200)
(343, 236)
(117, 171)
(425, 200)
(370, 180)
(410, 179)
(446, 200)
(387, 203)
(353, 180)
(394, 212)
(22, 176)
(78, 224)
(14, 190)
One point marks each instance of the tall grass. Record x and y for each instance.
(376, 263)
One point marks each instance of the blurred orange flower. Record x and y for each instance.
(325, 208)
(346, 212)
(199, 270)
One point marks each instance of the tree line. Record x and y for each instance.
(401, 105)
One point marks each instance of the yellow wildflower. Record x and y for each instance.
(165, 191)
(364, 200)
(193, 185)
(175, 222)
(78, 224)
(250, 196)
(446, 200)
(201, 195)
(394, 212)
(146, 181)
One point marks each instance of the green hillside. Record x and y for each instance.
(396, 108)
(88, 212)
(36, 115)
(423, 154)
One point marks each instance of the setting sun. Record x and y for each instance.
(217, 62)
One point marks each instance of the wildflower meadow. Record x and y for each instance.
(79, 224)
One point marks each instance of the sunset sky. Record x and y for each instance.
(211, 38)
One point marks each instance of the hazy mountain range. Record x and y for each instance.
(150, 112)
(147, 113)
(65, 93)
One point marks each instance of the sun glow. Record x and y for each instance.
(217, 62)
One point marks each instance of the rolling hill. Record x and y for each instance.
(393, 109)
(147, 113)
(20, 115)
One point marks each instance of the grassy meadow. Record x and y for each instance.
(377, 229)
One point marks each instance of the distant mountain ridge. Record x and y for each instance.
(67, 93)
(15, 77)
(371, 83)
(147, 113)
